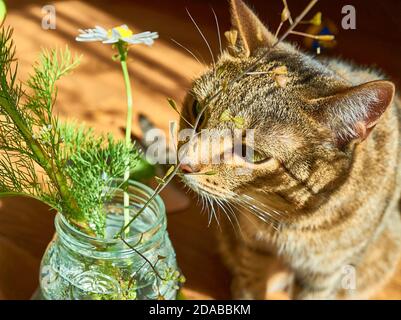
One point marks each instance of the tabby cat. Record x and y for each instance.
(323, 193)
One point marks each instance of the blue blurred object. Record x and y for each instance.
(327, 27)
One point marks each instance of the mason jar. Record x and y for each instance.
(77, 266)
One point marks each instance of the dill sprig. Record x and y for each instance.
(21, 151)
(93, 163)
(64, 165)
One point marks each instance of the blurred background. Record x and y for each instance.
(95, 94)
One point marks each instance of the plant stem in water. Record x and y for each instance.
(123, 59)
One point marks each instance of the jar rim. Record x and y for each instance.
(161, 209)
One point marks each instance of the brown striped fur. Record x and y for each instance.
(331, 175)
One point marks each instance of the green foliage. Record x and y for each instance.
(65, 166)
(227, 117)
(3, 10)
(92, 163)
(51, 67)
(18, 156)
(173, 105)
(169, 172)
(143, 170)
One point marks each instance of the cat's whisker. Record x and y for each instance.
(211, 210)
(204, 63)
(187, 50)
(205, 207)
(218, 31)
(261, 214)
(203, 37)
(250, 209)
(256, 73)
(220, 206)
(198, 198)
(234, 223)
(246, 214)
(267, 215)
(260, 210)
(262, 206)
(228, 207)
(210, 200)
(230, 200)
(215, 213)
(204, 203)
(231, 213)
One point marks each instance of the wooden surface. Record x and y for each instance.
(95, 94)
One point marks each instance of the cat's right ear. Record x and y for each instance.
(354, 112)
(248, 32)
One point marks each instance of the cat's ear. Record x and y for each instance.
(354, 112)
(252, 34)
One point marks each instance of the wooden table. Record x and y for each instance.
(95, 94)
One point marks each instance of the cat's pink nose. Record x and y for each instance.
(186, 168)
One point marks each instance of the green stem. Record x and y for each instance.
(25, 195)
(122, 49)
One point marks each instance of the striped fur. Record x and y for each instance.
(326, 200)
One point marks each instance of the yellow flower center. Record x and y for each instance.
(123, 32)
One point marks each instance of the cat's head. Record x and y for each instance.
(307, 120)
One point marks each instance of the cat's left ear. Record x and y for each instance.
(354, 112)
(252, 34)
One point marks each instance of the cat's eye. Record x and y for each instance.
(195, 110)
(253, 156)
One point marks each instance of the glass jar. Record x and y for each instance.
(77, 266)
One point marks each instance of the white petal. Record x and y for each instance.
(131, 41)
(111, 40)
(146, 37)
(89, 35)
(79, 39)
(142, 34)
(116, 34)
(99, 28)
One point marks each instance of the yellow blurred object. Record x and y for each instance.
(325, 37)
(282, 70)
(231, 37)
(3, 10)
(325, 33)
(124, 33)
(317, 19)
(285, 14)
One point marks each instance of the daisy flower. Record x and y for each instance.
(116, 34)
(121, 37)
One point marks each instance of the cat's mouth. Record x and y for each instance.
(206, 189)
(246, 202)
